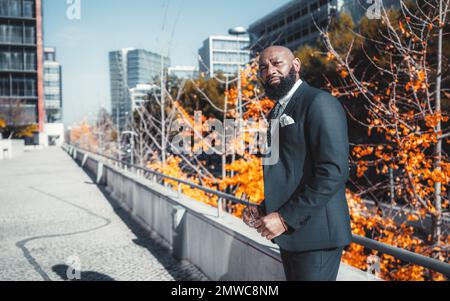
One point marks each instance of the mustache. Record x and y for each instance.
(285, 84)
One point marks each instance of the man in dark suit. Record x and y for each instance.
(305, 210)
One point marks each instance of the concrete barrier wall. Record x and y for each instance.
(222, 248)
(11, 148)
(194, 232)
(18, 147)
(5, 149)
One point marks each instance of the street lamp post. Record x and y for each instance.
(238, 31)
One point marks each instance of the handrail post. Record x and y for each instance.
(85, 157)
(99, 172)
(179, 190)
(219, 208)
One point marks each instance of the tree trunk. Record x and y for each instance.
(437, 218)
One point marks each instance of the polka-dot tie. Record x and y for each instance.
(276, 112)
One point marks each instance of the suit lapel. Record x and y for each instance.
(291, 105)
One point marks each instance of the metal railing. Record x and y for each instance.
(402, 254)
(220, 194)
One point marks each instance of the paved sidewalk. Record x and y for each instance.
(51, 213)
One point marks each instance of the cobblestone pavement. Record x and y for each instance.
(52, 218)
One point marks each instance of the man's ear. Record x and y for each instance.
(297, 65)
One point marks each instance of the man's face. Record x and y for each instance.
(278, 70)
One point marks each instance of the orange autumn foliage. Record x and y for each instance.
(404, 150)
(28, 131)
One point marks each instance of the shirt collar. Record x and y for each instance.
(285, 99)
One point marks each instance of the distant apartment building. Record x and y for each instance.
(128, 69)
(183, 72)
(223, 54)
(141, 94)
(52, 87)
(295, 23)
(21, 63)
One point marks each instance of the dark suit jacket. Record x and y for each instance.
(307, 185)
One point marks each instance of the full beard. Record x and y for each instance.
(278, 91)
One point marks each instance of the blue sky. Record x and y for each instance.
(106, 25)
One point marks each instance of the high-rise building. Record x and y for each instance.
(224, 54)
(183, 72)
(129, 68)
(295, 23)
(21, 62)
(52, 86)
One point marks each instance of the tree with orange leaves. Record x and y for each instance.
(397, 84)
(400, 84)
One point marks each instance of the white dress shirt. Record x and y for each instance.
(284, 101)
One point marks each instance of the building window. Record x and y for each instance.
(18, 87)
(304, 11)
(4, 33)
(11, 8)
(4, 85)
(51, 84)
(4, 60)
(30, 61)
(16, 60)
(230, 57)
(50, 70)
(3, 7)
(52, 97)
(16, 34)
(30, 87)
(23, 86)
(228, 45)
(30, 35)
(28, 9)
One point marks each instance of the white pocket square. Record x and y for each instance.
(286, 120)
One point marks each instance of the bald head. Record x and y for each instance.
(279, 70)
(278, 50)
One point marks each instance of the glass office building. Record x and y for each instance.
(223, 54)
(21, 68)
(128, 69)
(52, 87)
(295, 23)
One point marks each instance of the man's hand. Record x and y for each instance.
(250, 215)
(271, 226)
